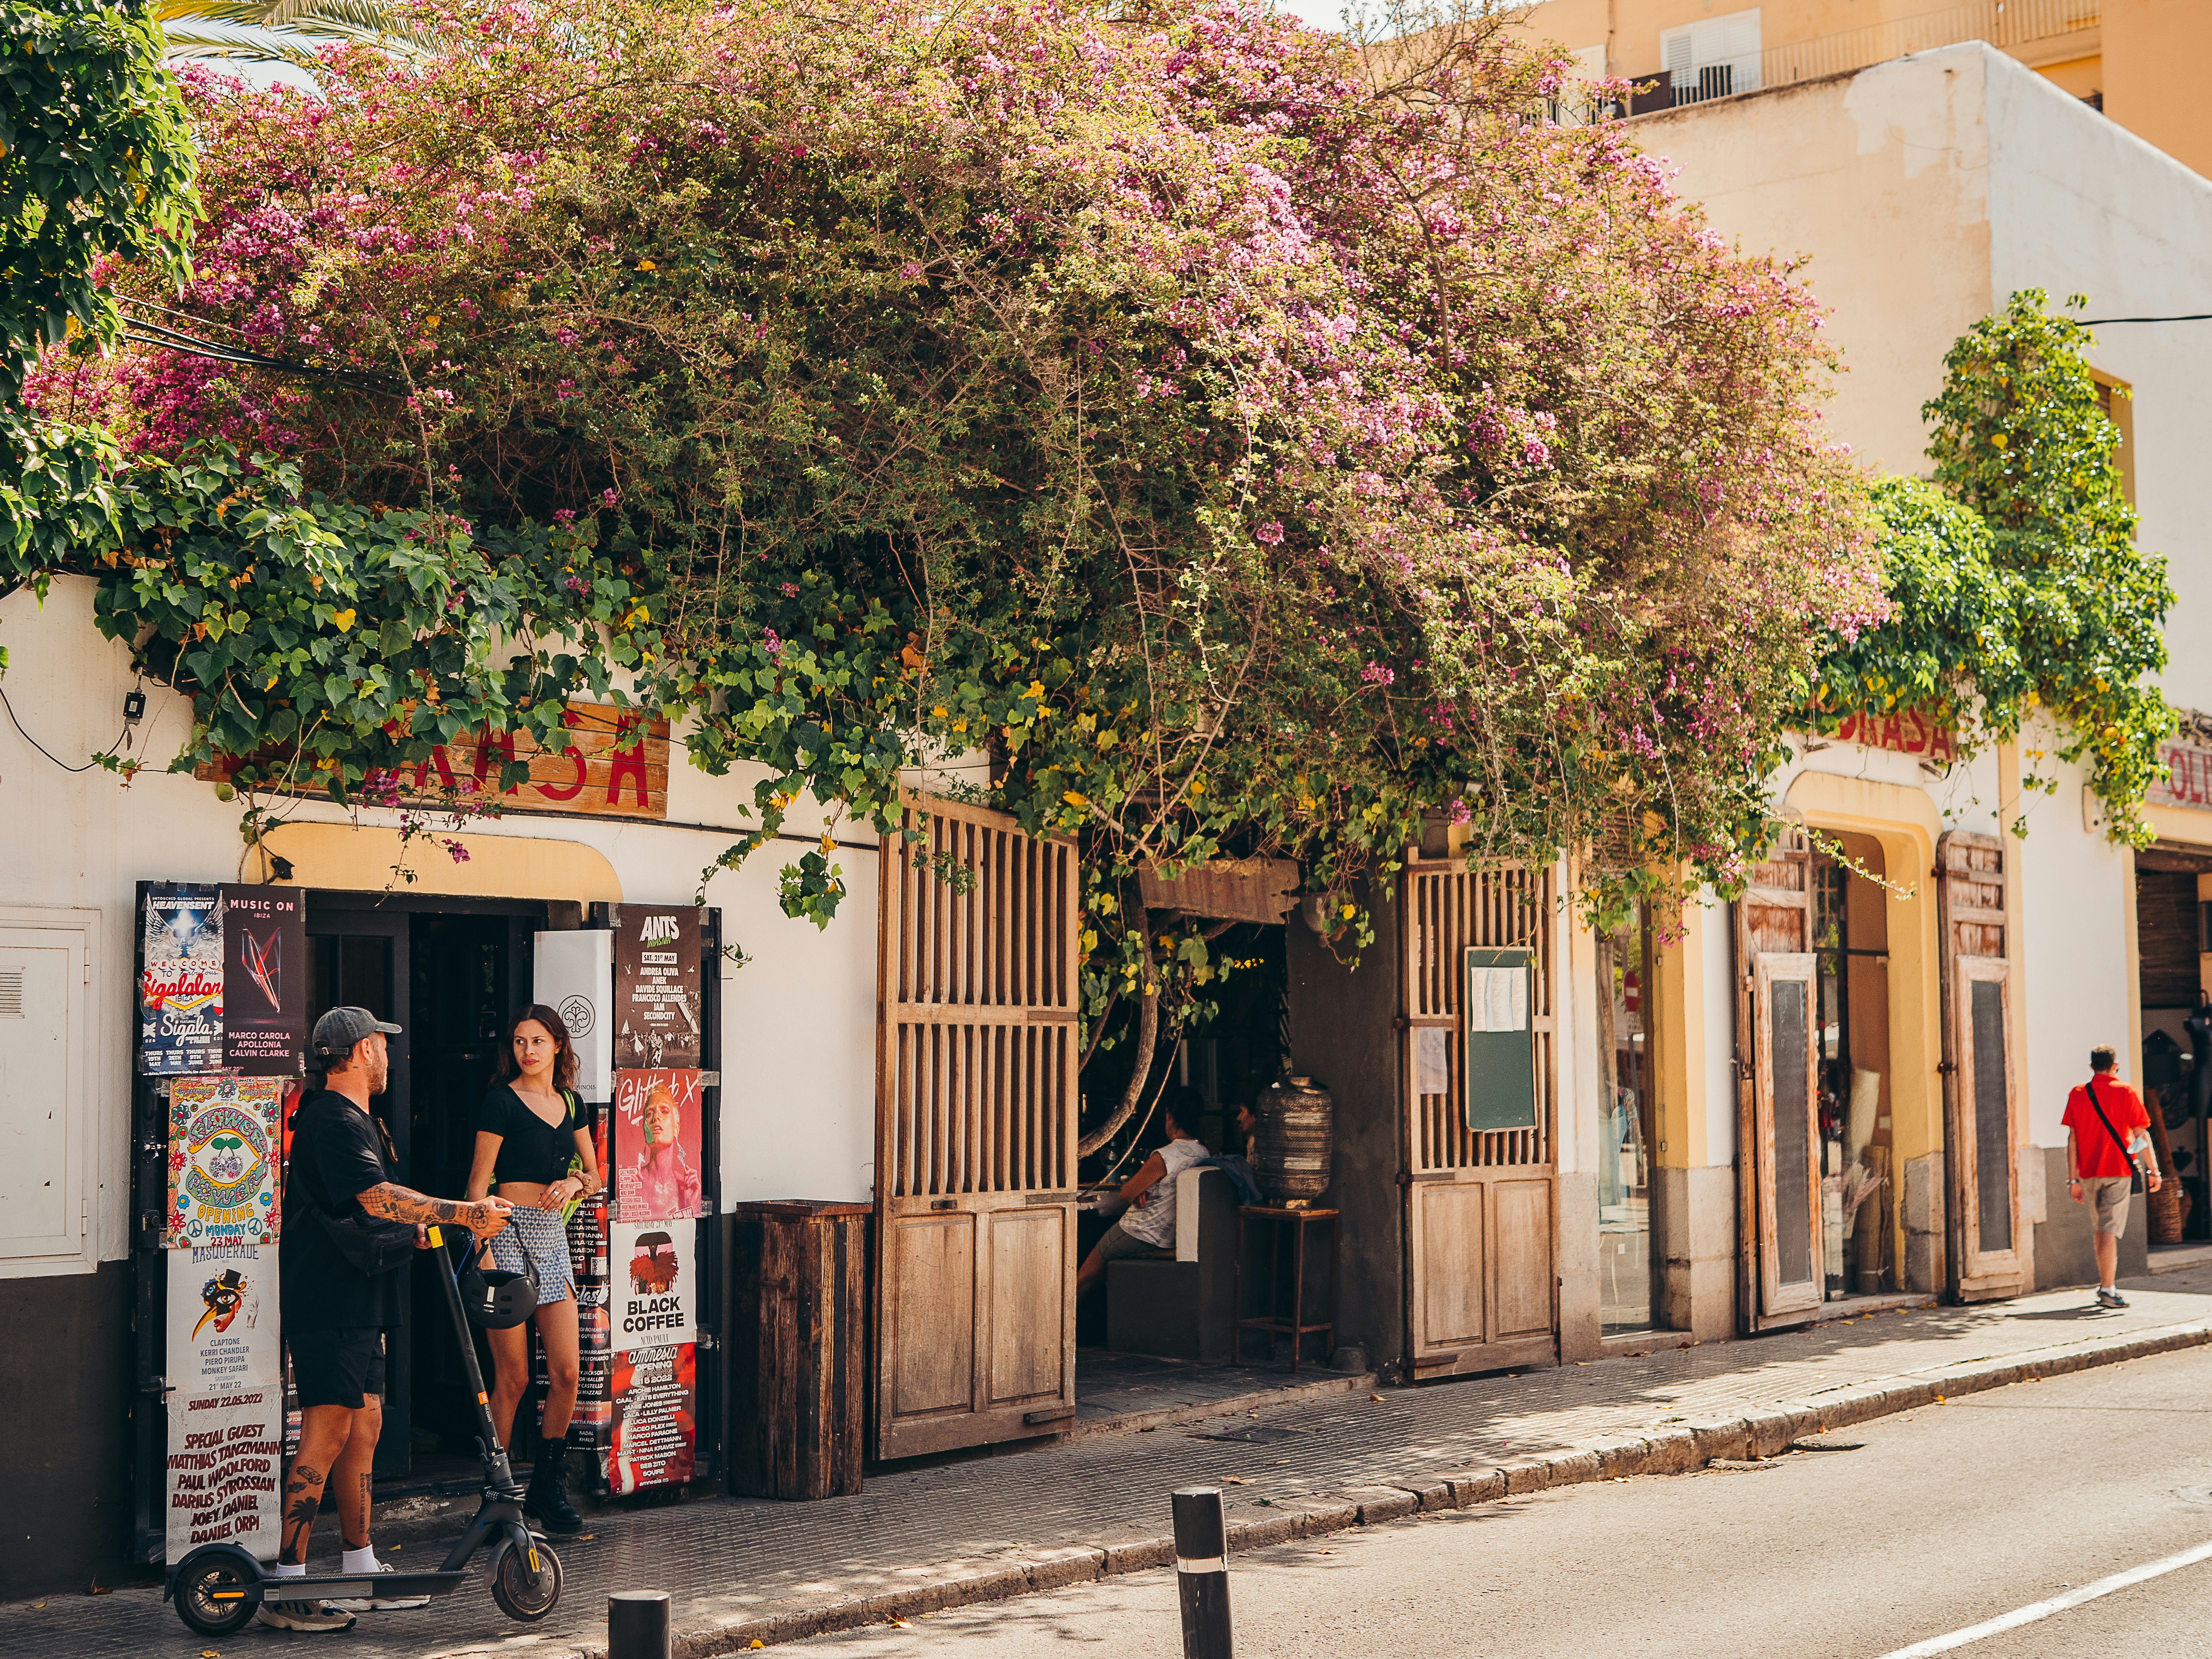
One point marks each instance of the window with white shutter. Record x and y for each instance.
(1712, 58)
(47, 1140)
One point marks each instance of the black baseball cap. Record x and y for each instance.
(337, 1031)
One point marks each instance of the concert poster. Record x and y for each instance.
(657, 1117)
(181, 984)
(264, 980)
(224, 1148)
(657, 1010)
(655, 1437)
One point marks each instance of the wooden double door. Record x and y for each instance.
(976, 1132)
(1781, 1045)
(1482, 1204)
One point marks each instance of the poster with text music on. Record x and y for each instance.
(264, 980)
(655, 1437)
(657, 1021)
(656, 1173)
(180, 978)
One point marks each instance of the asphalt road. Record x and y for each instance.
(1945, 1517)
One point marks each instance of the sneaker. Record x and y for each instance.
(302, 1616)
(2110, 1299)
(380, 1603)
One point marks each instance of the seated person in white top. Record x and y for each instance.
(1149, 1222)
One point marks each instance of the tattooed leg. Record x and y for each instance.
(323, 1436)
(350, 1479)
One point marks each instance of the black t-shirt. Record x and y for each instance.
(530, 1148)
(338, 1153)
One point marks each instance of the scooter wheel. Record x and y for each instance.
(525, 1592)
(208, 1600)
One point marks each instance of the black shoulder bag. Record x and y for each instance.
(2135, 1170)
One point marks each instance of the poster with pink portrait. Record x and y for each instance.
(656, 1160)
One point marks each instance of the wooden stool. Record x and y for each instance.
(1295, 1324)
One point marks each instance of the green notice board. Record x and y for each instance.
(1497, 992)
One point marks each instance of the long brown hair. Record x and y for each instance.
(564, 1053)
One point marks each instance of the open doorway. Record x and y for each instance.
(1850, 941)
(2170, 938)
(449, 972)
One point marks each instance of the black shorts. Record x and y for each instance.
(337, 1367)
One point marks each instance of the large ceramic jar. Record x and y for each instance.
(1296, 1142)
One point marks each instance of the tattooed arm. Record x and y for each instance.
(483, 1217)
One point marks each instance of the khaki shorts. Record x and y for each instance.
(2108, 1196)
(1118, 1241)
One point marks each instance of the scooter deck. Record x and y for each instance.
(383, 1586)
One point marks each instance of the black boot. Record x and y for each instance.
(547, 1500)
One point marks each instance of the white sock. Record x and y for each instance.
(360, 1561)
(287, 1569)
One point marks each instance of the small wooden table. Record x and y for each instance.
(1294, 1324)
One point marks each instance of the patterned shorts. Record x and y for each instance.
(539, 1232)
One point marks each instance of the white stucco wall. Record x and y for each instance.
(2078, 204)
(799, 1060)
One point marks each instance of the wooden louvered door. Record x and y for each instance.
(1983, 1196)
(975, 1133)
(1480, 1289)
(1785, 1278)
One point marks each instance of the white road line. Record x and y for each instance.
(2073, 1598)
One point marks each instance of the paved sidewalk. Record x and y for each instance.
(996, 1526)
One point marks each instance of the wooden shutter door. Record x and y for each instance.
(1983, 1210)
(1785, 1278)
(976, 1132)
(1480, 1292)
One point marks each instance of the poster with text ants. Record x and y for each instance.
(656, 1420)
(656, 1168)
(656, 1011)
(180, 984)
(264, 980)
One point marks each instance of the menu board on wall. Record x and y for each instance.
(264, 980)
(180, 983)
(655, 1437)
(224, 1161)
(656, 1012)
(658, 1120)
(225, 1460)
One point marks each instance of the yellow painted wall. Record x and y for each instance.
(2147, 58)
(2156, 52)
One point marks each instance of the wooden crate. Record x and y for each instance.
(798, 1348)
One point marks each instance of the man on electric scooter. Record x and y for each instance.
(335, 1313)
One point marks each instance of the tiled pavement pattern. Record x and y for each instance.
(994, 1526)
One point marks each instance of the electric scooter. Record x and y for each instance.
(217, 1586)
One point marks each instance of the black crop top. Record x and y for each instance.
(530, 1148)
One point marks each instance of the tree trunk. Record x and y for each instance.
(1148, 1037)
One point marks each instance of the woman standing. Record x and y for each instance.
(529, 1128)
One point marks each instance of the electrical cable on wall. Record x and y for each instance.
(49, 753)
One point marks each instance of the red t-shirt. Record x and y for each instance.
(2094, 1154)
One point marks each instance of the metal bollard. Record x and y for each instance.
(1201, 1547)
(637, 1625)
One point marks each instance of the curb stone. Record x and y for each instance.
(1670, 1450)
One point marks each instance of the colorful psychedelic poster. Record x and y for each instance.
(653, 1295)
(224, 1161)
(264, 980)
(180, 985)
(657, 1167)
(656, 1438)
(656, 1013)
(224, 1333)
(226, 1463)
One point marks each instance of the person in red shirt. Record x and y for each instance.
(2106, 1130)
